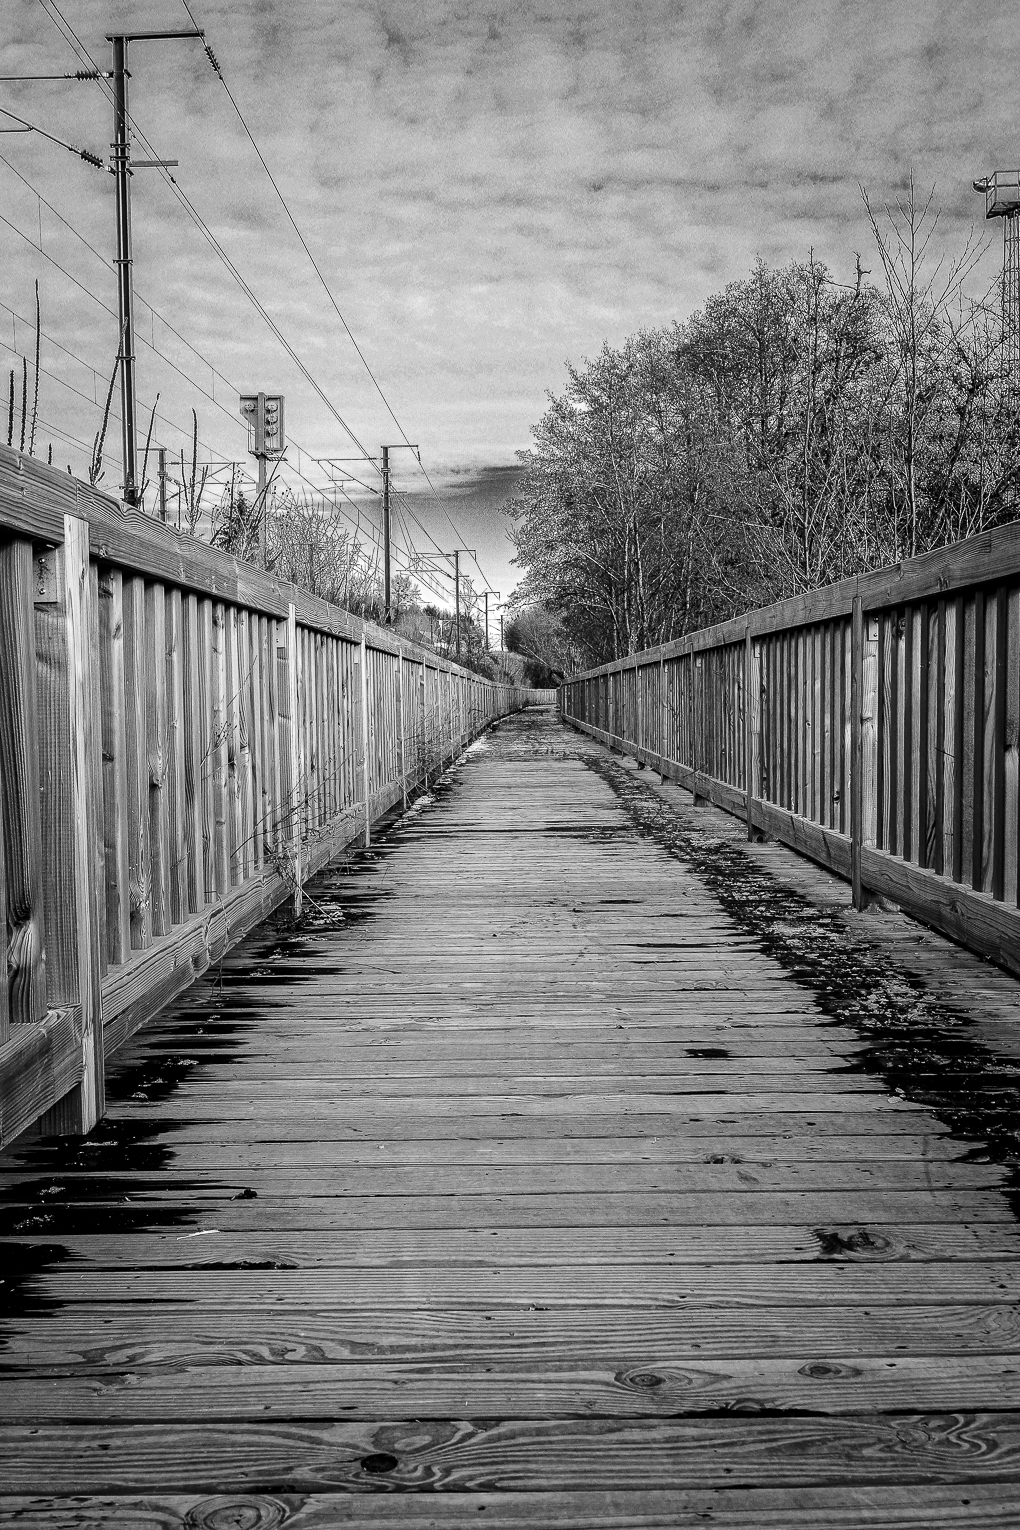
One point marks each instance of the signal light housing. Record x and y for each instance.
(263, 413)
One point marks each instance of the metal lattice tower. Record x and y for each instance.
(1011, 292)
(1002, 200)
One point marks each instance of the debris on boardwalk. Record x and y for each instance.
(558, 1161)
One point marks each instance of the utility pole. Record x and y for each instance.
(387, 600)
(122, 168)
(471, 553)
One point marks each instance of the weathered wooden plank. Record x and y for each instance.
(972, 1506)
(53, 725)
(40, 1064)
(563, 1455)
(219, 754)
(194, 741)
(137, 763)
(156, 743)
(117, 875)
(86, 1103)
(24, 974)
(174, 772)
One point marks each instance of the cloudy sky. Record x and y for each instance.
(489, 190)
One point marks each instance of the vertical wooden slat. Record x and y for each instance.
(241, 659)
(988, 827)
(136, 754)
(23, 976)
(972, 802)
(401, 725)
(88, 1102)
(296, 784)
(303, 802)
(909, 692)
(194, 736)
(219, 757)
(883, 771)
(833, 722)
(923, 735)
(940, 712)
(366, 779)
(232, 724)
(155, 755)
(865, 750)
(752, 726)
(313, 650)
(96, 767)
(176, 797)
(5, 1008)
(257, 742)
(271, 790)
(117, 877)
(1011, 753)
(955, 760)
(330, 733)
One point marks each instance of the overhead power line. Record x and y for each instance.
(52, 10)
(325, 285)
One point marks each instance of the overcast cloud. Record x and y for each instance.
(489, 189)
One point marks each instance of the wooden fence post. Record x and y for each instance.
(85, 808)
(639, 708)
(366, 774)
(294, 741)
(752, 726)
(856, 748)
(23, 975)
(72, 872)
(401, 765)
(864, 701)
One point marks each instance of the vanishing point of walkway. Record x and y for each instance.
(522, 1183)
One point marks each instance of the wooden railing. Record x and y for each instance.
(875, 722)
(183, 742)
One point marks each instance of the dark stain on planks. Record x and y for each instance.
(310, 1347)
(918, 1045)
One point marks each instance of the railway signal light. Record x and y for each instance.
(263, 413)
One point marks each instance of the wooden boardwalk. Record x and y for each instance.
(518, 1185)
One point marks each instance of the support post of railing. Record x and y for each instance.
(864, 704)
(752, 723)
(401, 766)
(366, 775)
(423, 687)
(856, 748)
(5, 1012)
(638, 709)
(68, 714)
(82, 685)
(23, 972)
(297, 785)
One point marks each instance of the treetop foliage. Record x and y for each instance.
(795, 431)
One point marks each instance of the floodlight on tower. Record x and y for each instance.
(1002, 200)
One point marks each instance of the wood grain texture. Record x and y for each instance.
(847, 1507)
(515, 1173)
(24, 974)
